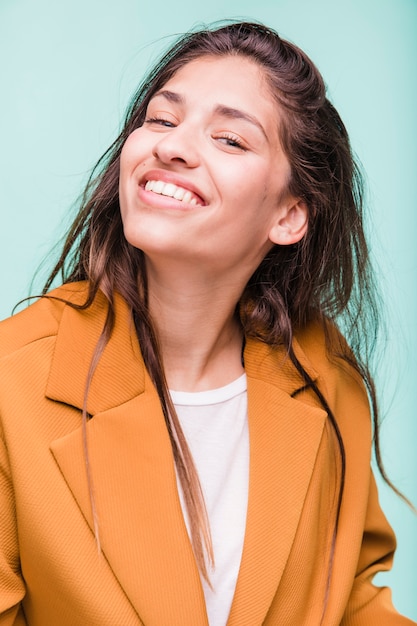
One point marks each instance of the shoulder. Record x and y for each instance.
(39, 320)
(337, 377)
(321, 356)
(326, 352)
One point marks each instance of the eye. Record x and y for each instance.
(159, 121)
(231, 140)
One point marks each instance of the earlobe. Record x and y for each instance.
(291, 224)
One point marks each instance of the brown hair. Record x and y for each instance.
(326, 276)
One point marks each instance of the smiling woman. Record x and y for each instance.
(185, 399)
(225, 162)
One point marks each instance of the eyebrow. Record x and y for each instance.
(171, 96)
(220, 109)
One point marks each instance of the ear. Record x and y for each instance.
(290, 224)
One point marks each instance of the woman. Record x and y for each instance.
(185, 435)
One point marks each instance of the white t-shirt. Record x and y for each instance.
(216, 428)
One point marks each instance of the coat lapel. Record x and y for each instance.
(284, 438)
(142, 530)
(141, 527)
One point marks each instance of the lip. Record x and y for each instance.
(170, 177)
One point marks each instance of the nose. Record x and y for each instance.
(179, 145)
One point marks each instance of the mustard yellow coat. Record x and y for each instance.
(51, 572)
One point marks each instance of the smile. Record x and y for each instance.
(172, 191)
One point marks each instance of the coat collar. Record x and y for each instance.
(120, 366)
(142, 530)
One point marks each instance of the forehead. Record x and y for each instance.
(233, 80)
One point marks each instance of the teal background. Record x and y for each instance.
(67, 70)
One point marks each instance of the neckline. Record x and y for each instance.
(210, 396)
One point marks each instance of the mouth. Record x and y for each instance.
(174, 191)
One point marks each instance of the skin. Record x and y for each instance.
(212, 131)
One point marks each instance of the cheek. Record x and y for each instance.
(250, 186)
(236, 176)
(125, 166)
(127, 153)
(134, 149)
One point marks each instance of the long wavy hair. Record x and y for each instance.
(326, 276)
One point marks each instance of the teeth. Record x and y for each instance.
(171, 190)
(179, 193)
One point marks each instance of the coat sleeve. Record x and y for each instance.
(12, 588)
(370, 605)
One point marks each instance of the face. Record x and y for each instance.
(204, 179)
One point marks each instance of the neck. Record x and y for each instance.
(199, 334)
